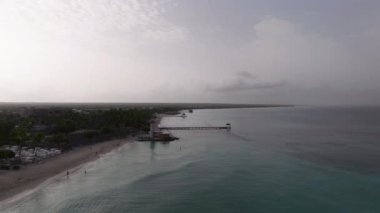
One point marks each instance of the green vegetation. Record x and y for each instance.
(66, 127)
(6, 154)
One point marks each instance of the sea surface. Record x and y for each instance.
(300, 159)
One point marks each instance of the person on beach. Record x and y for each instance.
(67, 174)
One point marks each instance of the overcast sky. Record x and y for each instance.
(240, 51)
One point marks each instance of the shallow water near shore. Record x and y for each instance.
(274, 160)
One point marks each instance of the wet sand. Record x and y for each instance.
(32, 175)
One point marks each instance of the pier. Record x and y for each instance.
(156, 133)
(226, 127)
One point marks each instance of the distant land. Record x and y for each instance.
(94, 105)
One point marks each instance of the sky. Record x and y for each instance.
(304, 52)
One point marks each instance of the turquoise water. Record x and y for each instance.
(274, 160)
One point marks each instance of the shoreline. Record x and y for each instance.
(29, 177)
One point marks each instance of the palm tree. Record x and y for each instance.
(19, 136)
(37, 139)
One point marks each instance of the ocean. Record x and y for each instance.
(290, 159)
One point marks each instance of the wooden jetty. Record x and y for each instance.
(156, 136)
(226, 127)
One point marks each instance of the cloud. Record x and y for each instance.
(170, 34)
(123, 50)
(244, 81)
(279, 49)
(95, 19)
(245, 74)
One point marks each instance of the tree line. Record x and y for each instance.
(53, 126)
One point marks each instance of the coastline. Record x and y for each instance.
(13, 183)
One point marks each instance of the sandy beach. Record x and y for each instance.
(32, 175)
